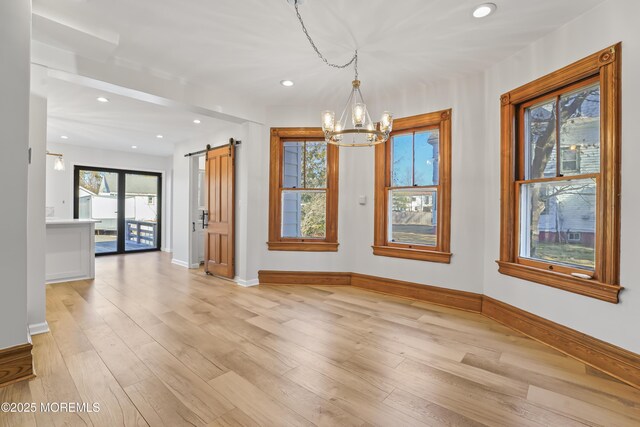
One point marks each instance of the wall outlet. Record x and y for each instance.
(362, 200)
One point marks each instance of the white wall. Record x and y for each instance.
(355, 222)
(59, 193)
(248, 198)
(601, 27)
(36, 230)
(15, 30)
(464, 96)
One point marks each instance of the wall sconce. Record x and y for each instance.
(59, 162)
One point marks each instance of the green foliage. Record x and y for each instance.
(401, 202)
(315, 156)
(314, 205)
(314, 211)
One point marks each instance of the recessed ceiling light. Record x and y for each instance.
(286, 83)
(102, 99)
(134, 146)
(196, 121)
(484, 10)
(159, 136)
(64, 137)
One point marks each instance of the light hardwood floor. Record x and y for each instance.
(156, 344)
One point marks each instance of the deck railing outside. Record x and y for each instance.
(142, 232)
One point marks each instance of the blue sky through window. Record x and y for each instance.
(426, 158)
(425, 146)
(402, 171)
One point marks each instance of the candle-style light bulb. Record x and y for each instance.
(359, 114)
(328, 121)
(371, 136)
(386, 122)
(338, 128)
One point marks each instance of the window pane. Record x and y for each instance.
(304, 214)
(540, 140)
(293, 164)
(402, 160)
(426, 157)
(316, 165)
(413, 216)
(558, 222)
(141, 212)
(98, 199)
(580, 131)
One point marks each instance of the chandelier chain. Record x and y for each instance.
(354, 59)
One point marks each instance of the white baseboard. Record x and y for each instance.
(184, 263)
(180, 263)
(39, 328)
(166, 250)
(245, 283)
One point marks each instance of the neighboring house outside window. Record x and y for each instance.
(560, 204)
(413, 186)
(303, 191)
(575, 237)
(565, 209)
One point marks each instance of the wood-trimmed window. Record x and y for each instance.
(560, 178)
(413, 189)
(303, 191)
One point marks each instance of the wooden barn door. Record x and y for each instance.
(219, 238)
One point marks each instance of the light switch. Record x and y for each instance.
(362, 200)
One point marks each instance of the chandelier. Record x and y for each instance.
(354, 127)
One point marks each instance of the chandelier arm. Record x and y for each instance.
(360, 93)
(369, 117)
(354, 59)
(346, 107)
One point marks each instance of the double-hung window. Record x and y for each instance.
(556, 194)
(303, 191)
(561, 178)
(413, 189)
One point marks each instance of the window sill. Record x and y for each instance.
(303, 246)
(416, 254)
(586, 287)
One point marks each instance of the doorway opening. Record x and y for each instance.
(127, 203)
(197, 209)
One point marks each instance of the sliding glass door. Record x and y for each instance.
(141, 212)
(97, 198)
(127, 204)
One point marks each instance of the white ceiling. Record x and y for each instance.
(248, 46)
(73, 111)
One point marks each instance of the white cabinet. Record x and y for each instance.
(70, 253)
